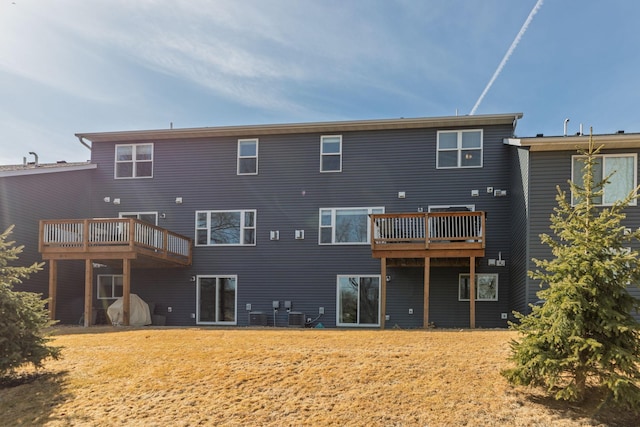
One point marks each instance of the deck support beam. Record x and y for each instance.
(126, 291)
(53, 287)
(472, 292)
(383, 292)
(88, 292)
(425, 315)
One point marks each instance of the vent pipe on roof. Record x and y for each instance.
(35, 157)
(566, 122)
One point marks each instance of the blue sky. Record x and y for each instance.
(69, 66)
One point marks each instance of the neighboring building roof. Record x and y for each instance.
(290, 128)
(574, 142)
(33, 169)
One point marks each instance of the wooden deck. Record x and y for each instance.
(422, 239)
(124, 243)
(428, 235)
(106, 239)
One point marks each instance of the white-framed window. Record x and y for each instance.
(346, 226)
(358, 300)
(331, 153)
(134, 161)
(149, 236)
(623, 179)
(452, 208)
(216, 300)
(109, 286)
(459, 149)
(148, 217)
(217, 228)
(248, 156)
(486, 287)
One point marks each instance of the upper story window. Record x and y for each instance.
(109, 286)
(134, 161)
(459, 149)
(247, 157)
(623, 171)
(331, 153)
(215, 228)
(346, 225)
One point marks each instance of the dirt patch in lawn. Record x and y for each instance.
(241, 377)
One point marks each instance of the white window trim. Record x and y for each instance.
(112, 276)
(459, 148)
(133, 161)
(240, 157)
(633, 202)
(235, 303)
(322, 154)
(358, 325)
(478, 275)
(242, 227)
(333, 225)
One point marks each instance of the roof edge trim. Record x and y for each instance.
(313, 127)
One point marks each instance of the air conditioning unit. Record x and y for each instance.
(296, 319)
(257, 318)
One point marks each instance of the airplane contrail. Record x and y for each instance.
(507, 55)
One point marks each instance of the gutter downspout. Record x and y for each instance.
(81, 139)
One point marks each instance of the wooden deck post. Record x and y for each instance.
(425, 315)
(472, 292)
(88, 292)
(383, 292)
(53, 287)
(126, 291)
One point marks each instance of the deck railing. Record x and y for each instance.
(426, 229)
(112, 234)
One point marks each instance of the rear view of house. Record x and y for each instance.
(374, 223)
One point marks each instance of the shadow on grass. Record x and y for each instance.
(591, 408)
(30, 399)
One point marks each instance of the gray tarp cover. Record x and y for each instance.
(139, 312)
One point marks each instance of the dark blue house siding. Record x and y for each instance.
(519, 229)
(548, 170)
(287, 194)
(24, 201)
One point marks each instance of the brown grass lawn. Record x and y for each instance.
(284, 377)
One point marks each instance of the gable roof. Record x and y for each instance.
(290, 128)
(33, 169)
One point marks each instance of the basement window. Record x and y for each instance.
(486, 287)
(109, 286)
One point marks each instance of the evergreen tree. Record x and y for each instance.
(23, 316)
(584, 334)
